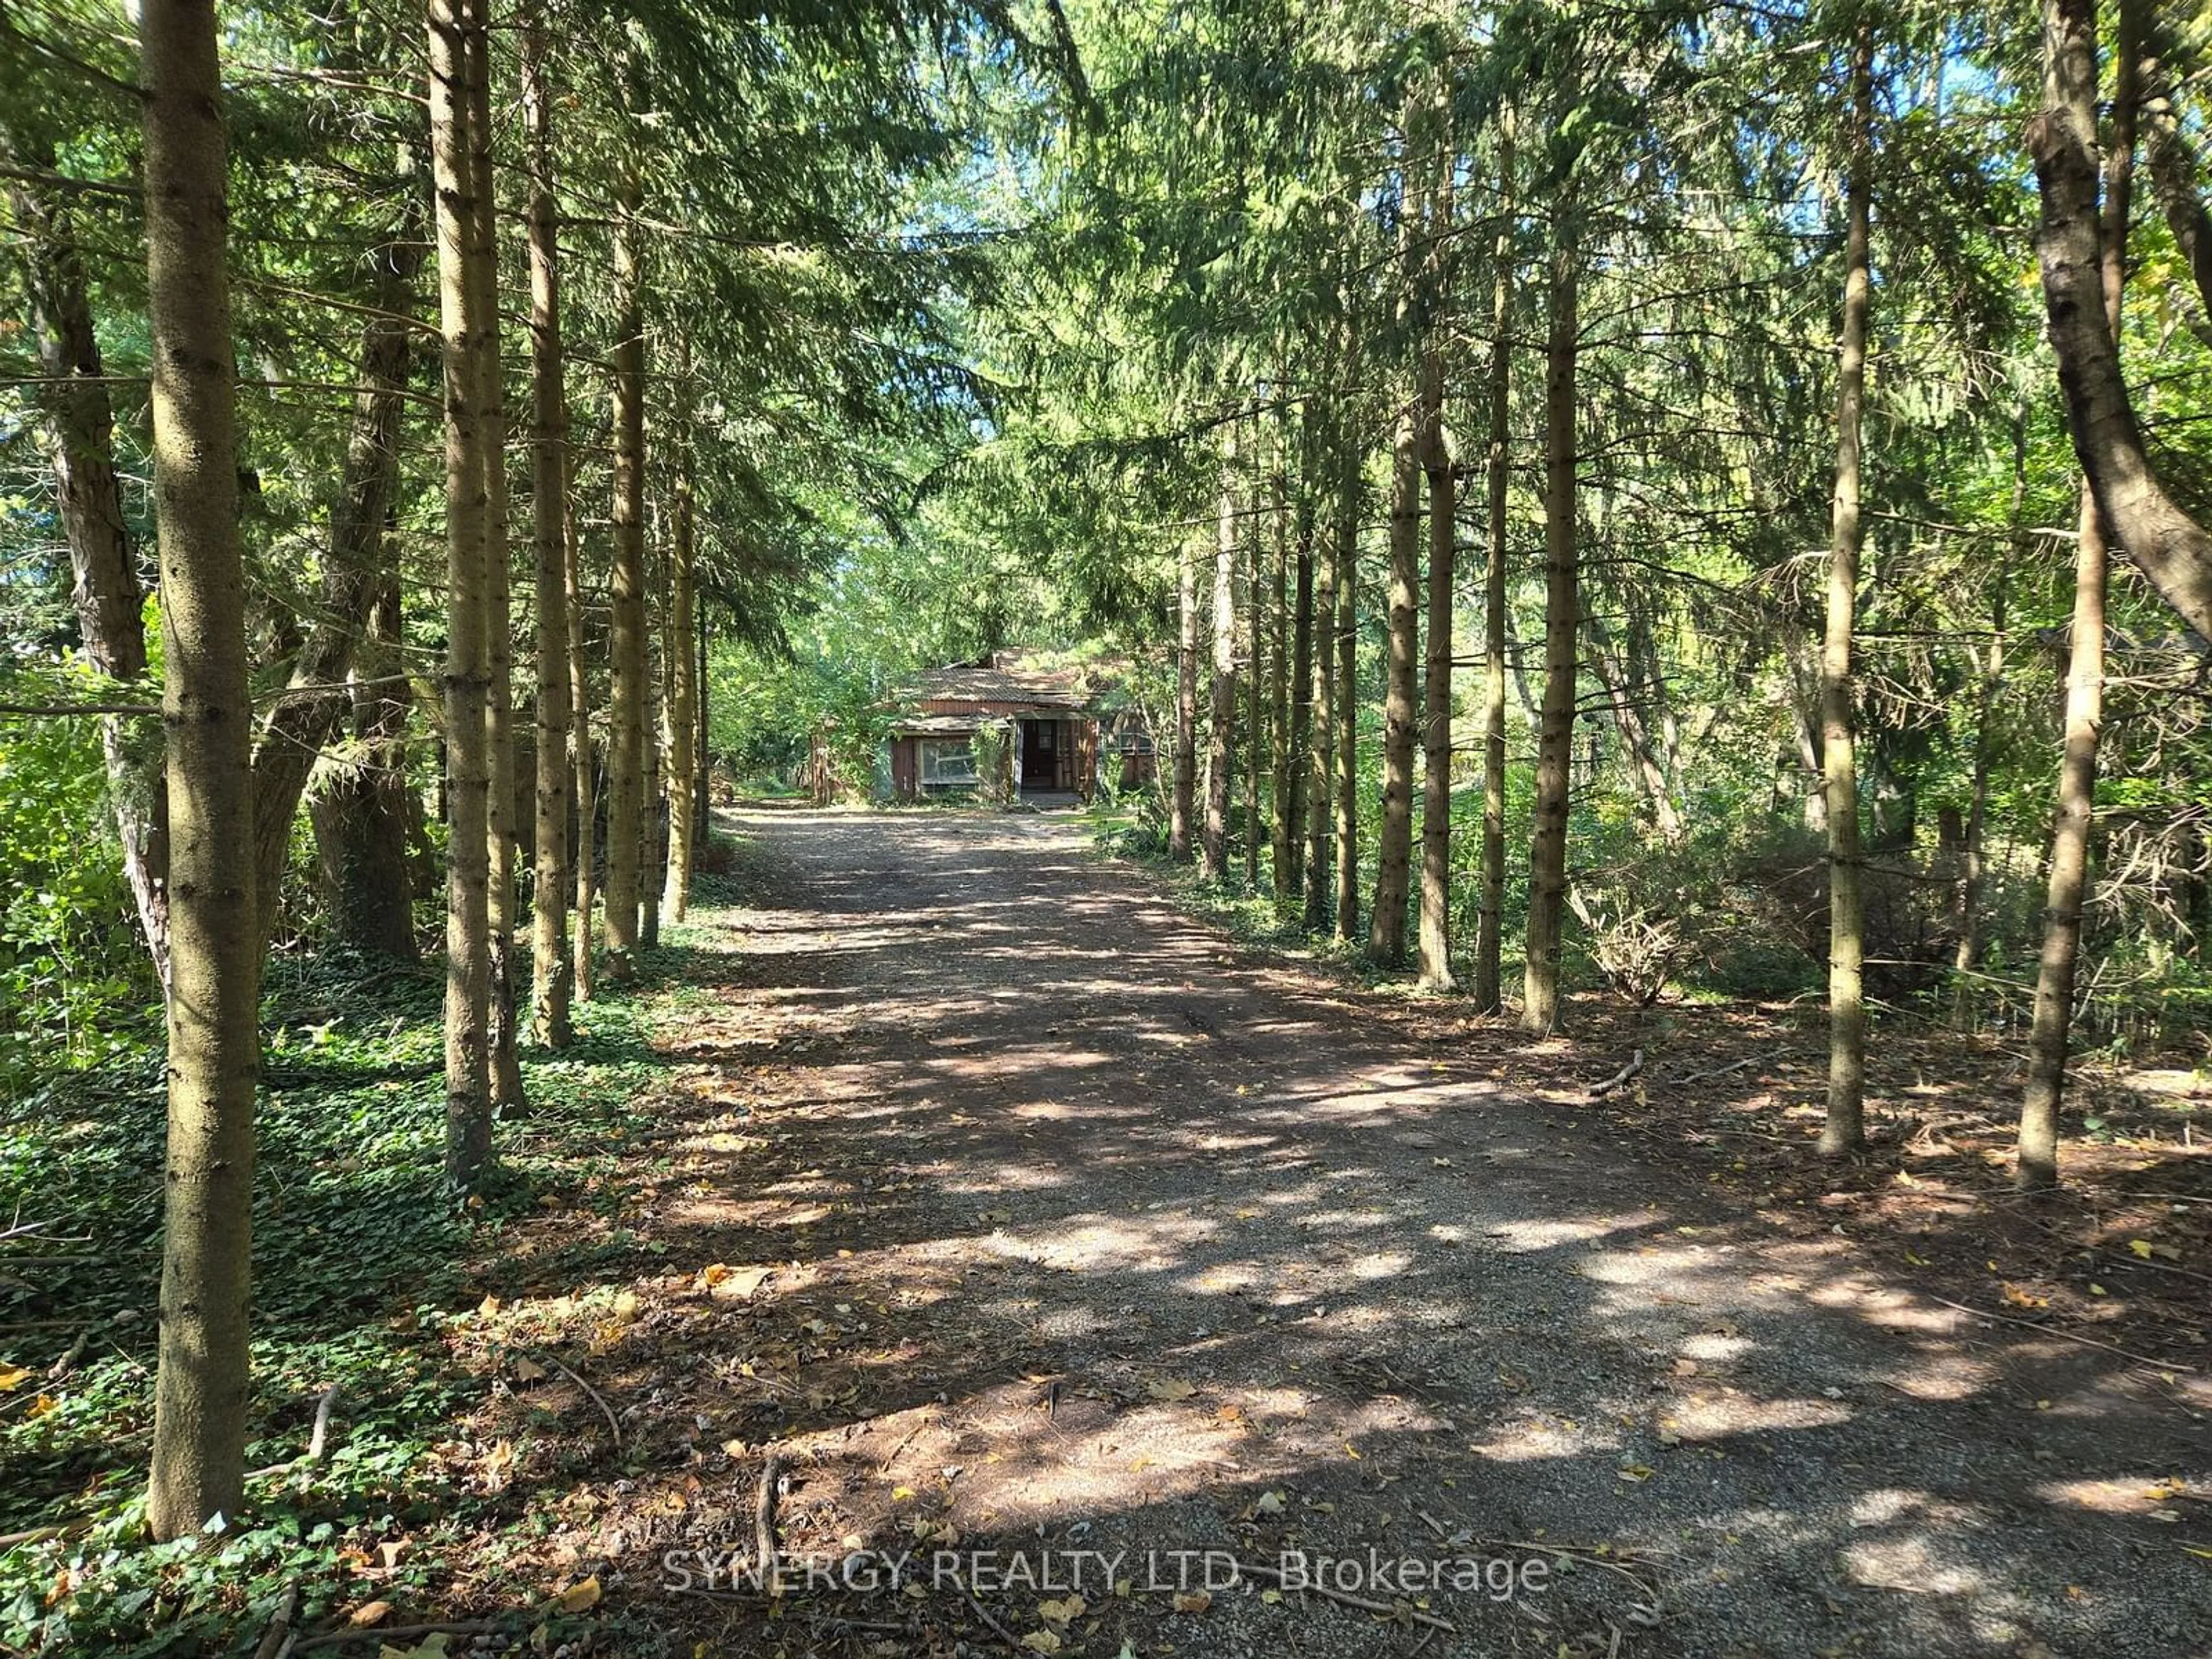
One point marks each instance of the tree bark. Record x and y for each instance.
(362, 816)
(2070, 233)
(628, 693)
(1347, 685)
(2171, 548)
(1220, 749)
(1489, 989)
(682, 689)
(584, 786)
(1181, 799)
(652, 872)
(1972, 871)
(1444, 538)
(2173, 170)
(1321, 789)
(551, 979)
(1548, 851)
(1254, 655)
(105, 589)
(1283, 834)
(468, 947)
(1298, 828)
(500, 795)
(1394, 842)
(1842, 1131)
(216, 955)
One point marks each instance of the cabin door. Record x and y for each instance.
(1040, 754)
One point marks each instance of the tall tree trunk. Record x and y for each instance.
(628, 696)
(358, 570)
(1649, 764)
(1972, 870)
(1321, 786)
(651, 874)
(1555, 735)
(362, 817)
(200, 1390)
(552, 978)
(468, 946)
(1282, 867)
(1181, 799)
(1254, 655)
(1842, 1131)
(1220, 750)
(2169, 546)
(1972, 864)
(1297, 738)
(1489, 991)
(1347, 687)
(583, 773)
(1444, 537)
(683, 687)
(501, 793)
(2070, 89)
(107, 596)
(1393, 843)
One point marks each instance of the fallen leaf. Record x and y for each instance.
(2142, 1247)
(1193, 1601)
(527, 1370)
(1636, 1472)
(1170, 1389)
(1040, 1641)
(489, 1306)
(1271, 1503)
(578, 1598)
(1061, 1612)
(370, 1613)
(13, 1377)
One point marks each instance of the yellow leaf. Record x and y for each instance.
(626, 1306)
(1193, 1601)
(1061, 1612)
(13, 1377)
(2141, 1247)
(578, 1598)
(489, 1306)
(1169, 1388)
(1916, 1260)
(1352, 1451)
(41, 1406)
(2096, 1289)
(370, 1613)
(900, 1494)
(1040, 1641)
(1271, 1596)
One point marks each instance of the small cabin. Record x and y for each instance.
(1007, 728)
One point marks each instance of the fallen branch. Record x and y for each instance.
(1365, 1604)
(68, 1363)
(318, 1439)
(984, 1613)
(767, 1558)
(389, 1632)
(278, 1636)
(2064, 1336)
(1635, 1064)
(605, 1409)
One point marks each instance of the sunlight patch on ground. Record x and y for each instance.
(1717, 1416)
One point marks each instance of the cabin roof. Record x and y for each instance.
(1000, 680)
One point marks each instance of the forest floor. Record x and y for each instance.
(1034, 1227)
(1046, 1268)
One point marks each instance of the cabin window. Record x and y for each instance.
(947, 761)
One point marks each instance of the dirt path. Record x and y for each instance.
(1084, 1231)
